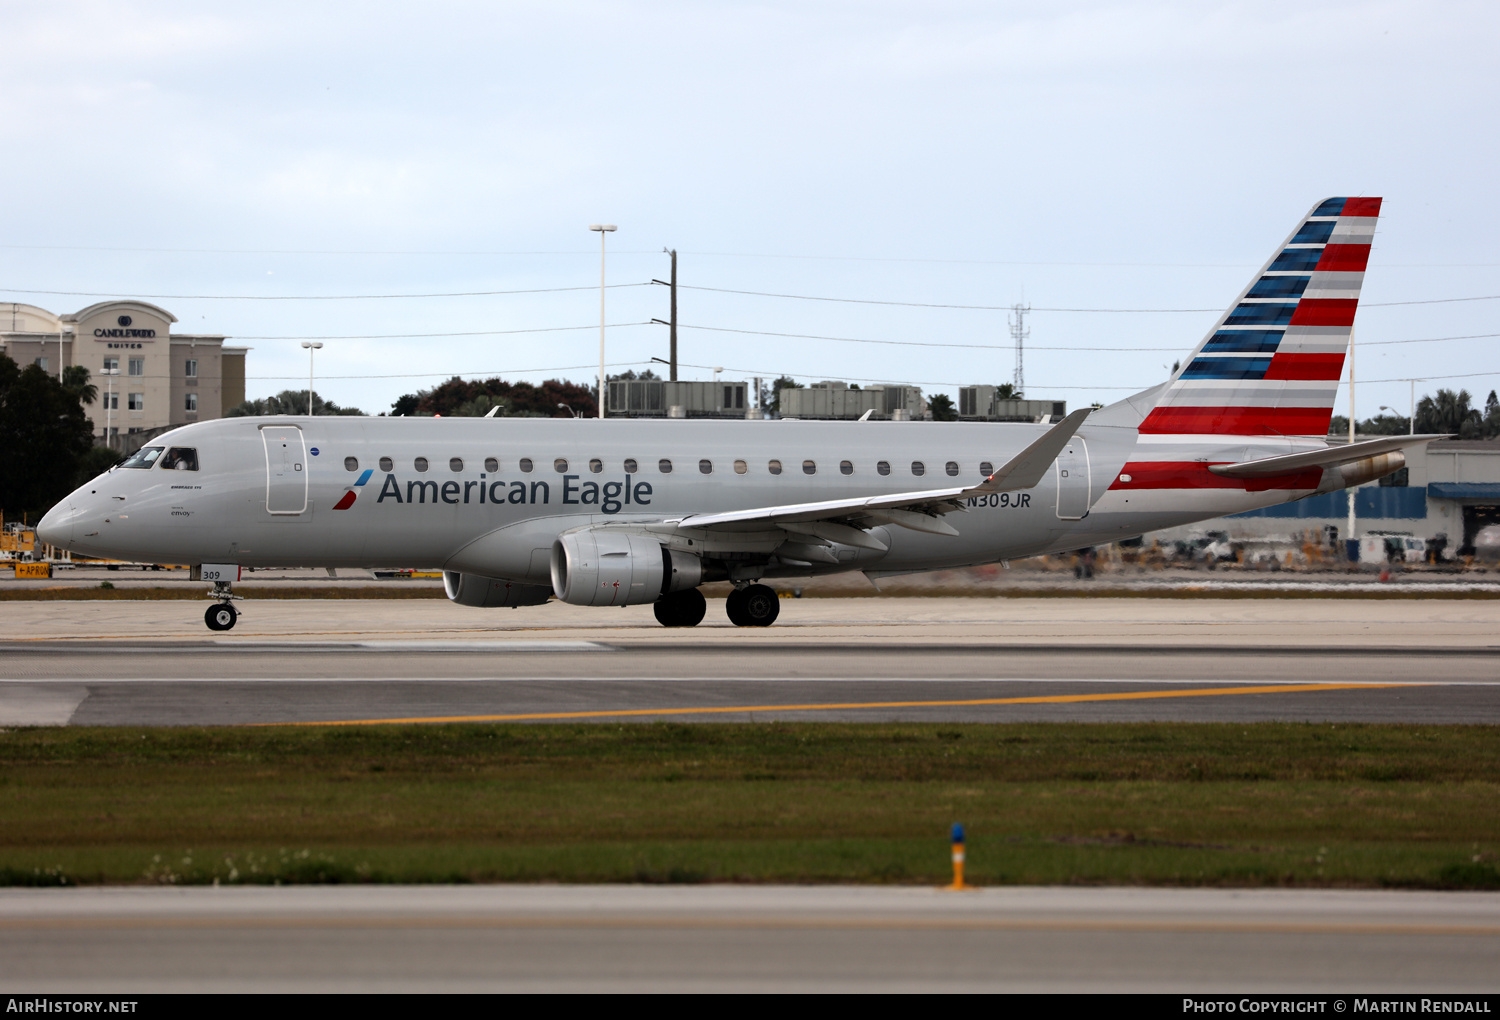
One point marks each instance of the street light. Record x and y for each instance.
(602, 228)
(109, 402)
(311, 345)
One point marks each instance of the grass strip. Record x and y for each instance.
(1150, 803)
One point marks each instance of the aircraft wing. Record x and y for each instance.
(1330, 457)
(916, 510)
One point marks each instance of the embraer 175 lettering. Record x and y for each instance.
(618, 512)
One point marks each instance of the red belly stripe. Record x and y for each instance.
(1194, 474)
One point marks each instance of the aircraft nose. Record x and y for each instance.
(56, 526)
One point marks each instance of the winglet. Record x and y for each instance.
(1027, 468)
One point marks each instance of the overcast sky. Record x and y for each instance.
(1072, 155)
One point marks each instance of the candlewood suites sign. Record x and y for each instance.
(123, 331)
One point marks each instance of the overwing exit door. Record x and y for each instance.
(1074, 495)
(286, 469)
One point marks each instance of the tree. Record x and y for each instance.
(44, 437)
(774, 403)
(1449, 412)
(290, 402)
(941, 406)
(462, 398)
(75, 381)
(1007, 391)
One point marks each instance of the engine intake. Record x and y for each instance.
(492, 592)
(604, 567)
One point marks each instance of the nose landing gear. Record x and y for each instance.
(222, 615)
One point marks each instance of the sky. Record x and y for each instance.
(280, 171)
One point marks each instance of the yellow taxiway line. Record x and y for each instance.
(1049, 699)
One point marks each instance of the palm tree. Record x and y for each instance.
(1448, 412)
(75, 382)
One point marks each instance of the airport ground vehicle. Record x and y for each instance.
(613, 513)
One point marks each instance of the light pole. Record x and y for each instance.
(602, 228)
(1353, 518)
(109, 404)
(311, 345)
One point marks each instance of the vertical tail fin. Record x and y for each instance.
(1271, 364)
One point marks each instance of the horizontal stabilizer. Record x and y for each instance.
(1331, 456)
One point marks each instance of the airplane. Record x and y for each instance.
(615, 512)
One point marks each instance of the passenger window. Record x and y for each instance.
(740, 467)
(526, 464)
(180, 458)
(918, 468)
(455, 464)
(664, 466)
(631, 467)
(774, 467)
(986, 468)
(952, 468)
(143, 458)
(386, 464)
(846, 467)
(491, 464)
(883, 467)
(596, 465)
(420, 463)
(351, 463)
(560, 465)
(705, 467)
(809, 467)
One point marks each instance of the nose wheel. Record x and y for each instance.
(754, 605)
(221, 616)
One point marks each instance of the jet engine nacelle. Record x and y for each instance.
(605, 567)
(492, 592)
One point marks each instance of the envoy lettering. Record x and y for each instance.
(610, 497)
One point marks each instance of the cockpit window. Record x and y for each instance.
(180, 458)
(145, 457)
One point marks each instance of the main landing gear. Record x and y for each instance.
(222, 615)
(680, 608)
(754, 605)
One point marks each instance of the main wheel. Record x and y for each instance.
(758, 607)
(734, 608)
(221, 616)
(681, 608)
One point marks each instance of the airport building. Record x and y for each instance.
(659, 398)
(149, 378)
(983, 403)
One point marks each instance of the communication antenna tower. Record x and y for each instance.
(1019, 333)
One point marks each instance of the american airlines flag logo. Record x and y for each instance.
(348, 498)
(1271, 366)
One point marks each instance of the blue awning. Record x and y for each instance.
(1487, 491)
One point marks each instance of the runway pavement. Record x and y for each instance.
(740, 938)
(137, 663)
